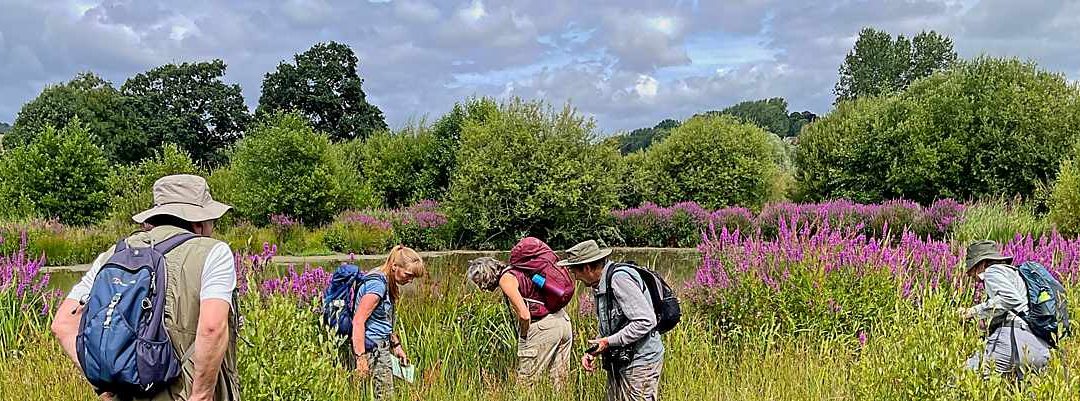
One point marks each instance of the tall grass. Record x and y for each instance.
(802, 315)
(1000, 220)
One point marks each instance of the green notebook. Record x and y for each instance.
(407, 372)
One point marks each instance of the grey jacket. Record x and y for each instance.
(1005, 291)
(632, 312)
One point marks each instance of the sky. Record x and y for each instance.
(625, 63)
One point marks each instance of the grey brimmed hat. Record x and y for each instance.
(184, 196)
(582, 253)
(983, 250)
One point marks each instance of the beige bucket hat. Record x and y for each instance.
(983, 250)
(582, 253)
(184, 196)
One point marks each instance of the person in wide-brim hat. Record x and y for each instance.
(183, 196)
(1010, 346)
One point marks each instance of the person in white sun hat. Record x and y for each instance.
(200, 301)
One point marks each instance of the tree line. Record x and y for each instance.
(911, 121)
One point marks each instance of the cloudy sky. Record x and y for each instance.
(627, 63)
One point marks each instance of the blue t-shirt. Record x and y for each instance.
(381, 321)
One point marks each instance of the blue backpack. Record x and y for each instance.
(339, 301)
(122, 344)
(1048, 313)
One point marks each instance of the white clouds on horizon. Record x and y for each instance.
(628, 63)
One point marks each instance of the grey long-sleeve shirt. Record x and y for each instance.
(1005, 291)
(632, 307)
(636, 308)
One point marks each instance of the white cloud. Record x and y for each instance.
(646, 86)
(474, 12)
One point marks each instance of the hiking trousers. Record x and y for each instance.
(380, 366)
(1030, 353)
(546, 349)
(636, 383)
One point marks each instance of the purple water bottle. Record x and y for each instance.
(540, 281)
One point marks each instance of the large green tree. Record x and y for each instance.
(284, 167)
(715, 160)
(987, 127)
(60, 174)
(879, 64)
(188, 104)
(101, 108)
(532, 170)
(323, 86)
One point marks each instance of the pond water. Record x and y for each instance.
(677, 266)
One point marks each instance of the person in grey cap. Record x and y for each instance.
(1011, 347)
(633, 354)
(200, 303)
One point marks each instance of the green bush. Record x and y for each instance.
(531, 170)
(397, 166)
(60, 174)
(713, 160)
(284, 167)
(1065, 198)
(131, 187)
(987, 127)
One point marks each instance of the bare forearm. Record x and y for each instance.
(210, 347)
(65, 327)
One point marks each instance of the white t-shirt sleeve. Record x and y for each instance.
(219, 274)
(81, 290)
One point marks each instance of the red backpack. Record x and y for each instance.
(546, 287)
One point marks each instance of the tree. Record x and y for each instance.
(4, 128)
(396, 166)
(642, 138)
(285, 167)
(442, 160)
(531, 170)
(715, 160)
(879, 65)
(989, 127)
(769, 114)
(189, 105)
(59, 174)
(324, 87)
(798, 120)
(101, 108)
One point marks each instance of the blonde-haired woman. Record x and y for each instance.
(374, 317)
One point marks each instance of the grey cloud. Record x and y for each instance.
(412, 51)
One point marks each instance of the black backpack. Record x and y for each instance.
(664, 301)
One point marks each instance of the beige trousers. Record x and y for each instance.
(546, 349)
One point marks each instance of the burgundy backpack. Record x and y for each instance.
(546, 287)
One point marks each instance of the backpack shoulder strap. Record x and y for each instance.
(168, 245)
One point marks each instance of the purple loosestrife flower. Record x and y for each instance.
(283, 221)
(366, 220)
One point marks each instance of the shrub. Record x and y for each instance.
(357, 232)
(714, 160)
(423, 226)
(284, 167)
(131, 187)
(60, 174)
(397, 166)
(528, 170)
(987, 127)
(1065, 198)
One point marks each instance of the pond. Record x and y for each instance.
(676, 265)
